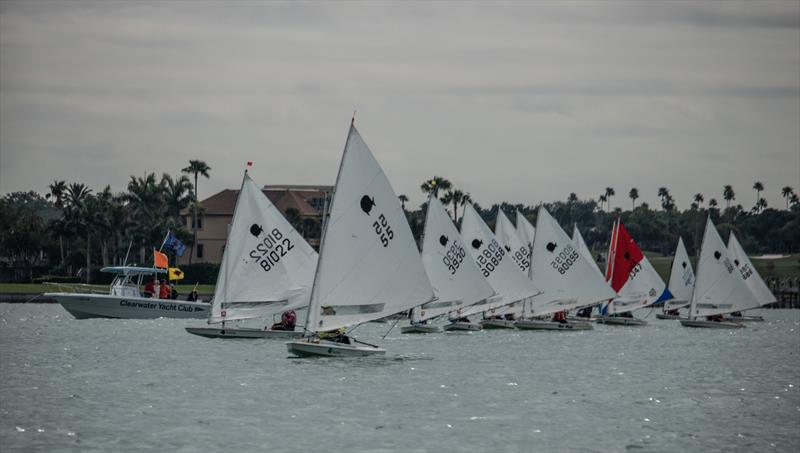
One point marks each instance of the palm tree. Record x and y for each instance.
(728, 194)
(602, 199)
(761, 204)
(609, 193)
(59, 188)
(698, 198)
(455, 199)
(633, 195)
(758, 187)
(712, 203)
(403, 200)
(177, 193)
(466, 198)
(787, 192)
(434, 185)
(196, 167)
(794, 200)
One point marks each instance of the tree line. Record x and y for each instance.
(71, 229)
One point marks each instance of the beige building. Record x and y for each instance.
(217, 213)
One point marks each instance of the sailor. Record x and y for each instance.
(164, 290)
(560, 316)
(288, 321)
(193, 296)
(338, 336)
(149, 289)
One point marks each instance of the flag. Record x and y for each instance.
(174, 244)
(175, 274)
(160, 259)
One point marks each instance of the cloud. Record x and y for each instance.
(511, 101)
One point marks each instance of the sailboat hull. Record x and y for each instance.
(532, 324)
(323, 348)
(497, 324)
(462, 327)
(86, 306)
(620, 321)
(745, 319)
(419, 329)
(243, 332)
(710, 324)
(666, 316)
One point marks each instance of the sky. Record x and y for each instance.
(518, 102)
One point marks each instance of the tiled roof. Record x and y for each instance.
(283, 197)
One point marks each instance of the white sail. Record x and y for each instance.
(681, 278)
(583, 249)
(456, 280)
(525, 231)
(567, 278)
(643, 289)
(719, 287)
(517, 250)
(267, 267)
(508, 281)
(369, 264)
(749, 274)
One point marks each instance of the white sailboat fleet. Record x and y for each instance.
(726, 283)
(267, 268)
(568, 280)
(456, 280)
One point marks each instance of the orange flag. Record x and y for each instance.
(160, 259)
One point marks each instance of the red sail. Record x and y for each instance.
(625, 255)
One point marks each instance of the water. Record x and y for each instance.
(130, 385)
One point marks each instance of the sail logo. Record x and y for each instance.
(490, 257)
(443, 240)
(454, 256)
(565, 259)
(271, 249)
(381, 226)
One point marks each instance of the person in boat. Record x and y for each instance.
(585, 312)
(149, 288)
(736, 314)
(337, 336)
(714, 318)
(174, 294)
(164, 290)
(509, 316)
(560, 316)
(673, 312)
(193, 296)
(287, 322)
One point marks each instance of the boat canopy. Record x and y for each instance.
(132, 270)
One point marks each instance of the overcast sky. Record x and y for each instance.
(523, 102)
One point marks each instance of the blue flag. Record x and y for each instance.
(174, 244)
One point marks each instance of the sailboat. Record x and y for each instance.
(513, 287)
(754, 281)
(267, 268)
(516, 248)
(525, 231)
(567, 278)
(456, 280)
(681, 283)
(369, 266)
(583, 249)
(720, 287)
(633, 277)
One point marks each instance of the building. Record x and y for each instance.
(216, 213)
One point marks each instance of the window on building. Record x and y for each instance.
(199, 250)
(199, 223)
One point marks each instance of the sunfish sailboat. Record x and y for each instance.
(267, 268)
(681, 283)
(750, 276)
(513, 287)
(633, 277)
(369, 266)
(568, 280)
(719, 288)
(456, 280)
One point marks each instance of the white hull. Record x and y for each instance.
(710, 324)
(462, 327)
(242, 332)
(324, 348)
(85, 306)
(419, 329)
(666, 316)
(532, 324)
(620, 321)
(497, 324)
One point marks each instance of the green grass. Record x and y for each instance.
(34, 288)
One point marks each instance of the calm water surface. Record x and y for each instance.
(130, 385)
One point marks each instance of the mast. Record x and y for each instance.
(313, 306)
(227, 240)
